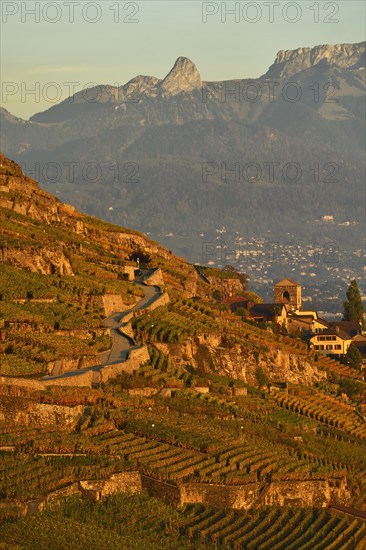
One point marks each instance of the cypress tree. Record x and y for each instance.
(353, 306)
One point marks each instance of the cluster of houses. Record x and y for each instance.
(331, 338)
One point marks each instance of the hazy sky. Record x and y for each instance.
(111, 41)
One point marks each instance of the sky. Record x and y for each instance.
(56, 47)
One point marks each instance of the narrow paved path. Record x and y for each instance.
(121, 343)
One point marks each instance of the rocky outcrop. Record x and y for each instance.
(290, 62)
(41, 415)
(289, 367)
(183, 77)
(22, 195)
(226, 286)
(45, 261)
(210, 352)
(139, 85)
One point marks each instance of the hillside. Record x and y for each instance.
(81, 261)
(55, 259)
(225, 432)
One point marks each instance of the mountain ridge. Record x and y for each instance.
(289, 62)
(184, 76)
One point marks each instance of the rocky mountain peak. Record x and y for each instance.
(183, 77)
(141, 84)
(289, 62)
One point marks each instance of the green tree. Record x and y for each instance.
(353, 306)
(262, 377)
(353, 357)
(350, 387)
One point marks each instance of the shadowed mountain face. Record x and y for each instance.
(185, 156)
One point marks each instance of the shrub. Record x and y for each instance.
(350, 387)
(262, 377)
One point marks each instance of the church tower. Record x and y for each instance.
(289, 293)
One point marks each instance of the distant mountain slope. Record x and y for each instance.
(308, 109)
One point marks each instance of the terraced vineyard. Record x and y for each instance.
(273, 529)
(325, 409)
(159, 440)
(197, 422)
(251, 460)
(48, 318)
(171, 462)
(115, 450)
(33, 476)
(194, 527)
(174, 323)
(160, 371)
(335, 367)
(189, 318)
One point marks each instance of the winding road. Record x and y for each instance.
(121, 343)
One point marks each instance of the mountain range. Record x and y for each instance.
(185, 156)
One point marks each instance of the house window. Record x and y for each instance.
(329, 346)
(316, 347)
(337, 346)
(321, 347)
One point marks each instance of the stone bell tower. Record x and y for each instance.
(289, 293)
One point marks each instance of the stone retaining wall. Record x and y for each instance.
(83, 379)
(155, 278)
(22, 383)
(297, 493)
(168, 492)
(136, 358)
(113, 303)
(308, 493)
